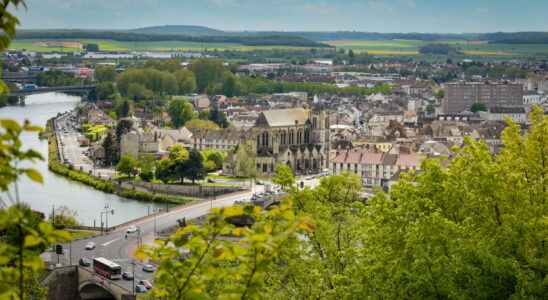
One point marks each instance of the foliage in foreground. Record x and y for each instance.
(474, 230)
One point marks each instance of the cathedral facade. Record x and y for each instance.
(298, 138)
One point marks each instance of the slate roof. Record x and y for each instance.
(282, 117)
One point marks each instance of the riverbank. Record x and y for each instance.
(98, 183)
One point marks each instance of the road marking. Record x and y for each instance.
(107, 243)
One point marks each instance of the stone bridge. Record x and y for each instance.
(74, 282)
(86, 89)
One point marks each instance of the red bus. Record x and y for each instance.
(107, 268)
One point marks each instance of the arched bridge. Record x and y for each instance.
(86, 89)
(74, 282)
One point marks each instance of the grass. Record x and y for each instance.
(80, 234)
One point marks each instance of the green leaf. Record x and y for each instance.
(34, 175)
(31, 240)
(10, 125)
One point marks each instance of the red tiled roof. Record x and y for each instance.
(409, 160)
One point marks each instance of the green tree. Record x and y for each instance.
(351, 57)
(284, 177)
(127, 165)
(245, 161)
(137, 91)
(64, 216)
(164, 170)
(193, 168)
(105, 90)
(20, 260)
(105, 73)
(91, 47)
(218, 117)
(204, 114)
(123, 127)
(186, 82)
(228, 84)
(207, 71)
(171, 65)
(222, 269)
(478, 106)
(430, 109)
(111, 149)
(201, 124)
(213, 159)
(180, 111)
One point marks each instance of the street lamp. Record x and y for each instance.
(133, 274)
(106, 216)
(154, 211)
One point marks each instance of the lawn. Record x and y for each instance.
(80, 234)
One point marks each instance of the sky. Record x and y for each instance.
(437, 16)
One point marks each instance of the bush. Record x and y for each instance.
(146, 175)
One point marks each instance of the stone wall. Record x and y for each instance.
(186, 190)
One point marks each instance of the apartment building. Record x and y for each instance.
(460, 96)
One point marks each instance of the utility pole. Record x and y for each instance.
(133, 273)
(154, 211)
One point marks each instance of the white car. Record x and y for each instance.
(131, 229)
(90, 246)
(148, 268)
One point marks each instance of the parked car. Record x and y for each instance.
(84, 262)
(145, 283)
(259, 182)
(127, 275)
(131, 229)
(140, 289)
(148, 268)
(211, 180)
(309, 177)
(90, 246)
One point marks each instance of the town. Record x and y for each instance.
(273, 153)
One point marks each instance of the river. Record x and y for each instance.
(58, 190)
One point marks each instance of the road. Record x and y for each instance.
(113, 246)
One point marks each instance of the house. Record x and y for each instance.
(221, 139)
(374, 168)
(517, 114)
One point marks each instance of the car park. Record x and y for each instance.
(90, 246)
(145, 283)
(131, 229)
(140, 289)
(84, 262)
(148, 268)
(127, 275)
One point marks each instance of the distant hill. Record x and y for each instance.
(179, 29)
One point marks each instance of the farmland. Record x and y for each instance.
(473, 49)
(69, 45)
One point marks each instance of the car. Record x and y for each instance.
(90, 246)
(127, 275)
(140, 289)
(258, 182)
(132, 229)
(309, 177)
(84, 262)
(211, 180)
(148, 268)
(145, 283)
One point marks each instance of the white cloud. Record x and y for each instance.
(482, 10)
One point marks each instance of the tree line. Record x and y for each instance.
(270, 40)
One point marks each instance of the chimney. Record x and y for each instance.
(155, 136)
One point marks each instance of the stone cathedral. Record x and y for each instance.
(298, 138)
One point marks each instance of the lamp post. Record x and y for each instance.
(154, 211)
(106, 216)
(133, 274)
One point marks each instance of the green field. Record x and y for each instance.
(471, 49)
(111, 45)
